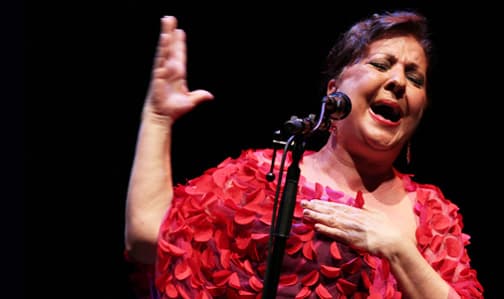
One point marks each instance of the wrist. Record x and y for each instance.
(150, 117)
(400, 252)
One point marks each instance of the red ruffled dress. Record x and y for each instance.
(213, 242)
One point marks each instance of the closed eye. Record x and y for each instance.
(414, 76)
(380, 66)
(411, 73)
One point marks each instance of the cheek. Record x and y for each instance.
(415, 114)
(358, 79)
(417, 104)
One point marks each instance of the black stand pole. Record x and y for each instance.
(284, 221)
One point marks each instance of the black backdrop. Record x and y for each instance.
(87, 69)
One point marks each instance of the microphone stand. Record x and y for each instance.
(283, 225)
(299, 129)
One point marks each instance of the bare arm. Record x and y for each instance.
(150, 187)
(415, 276)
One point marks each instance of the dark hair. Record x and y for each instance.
(353, 44)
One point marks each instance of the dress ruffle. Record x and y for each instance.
(213, 242)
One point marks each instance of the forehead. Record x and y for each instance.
(405, 48)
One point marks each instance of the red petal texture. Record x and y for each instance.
(234, 281)
(182, 271)
(171, 291)
(288, 279)
(359, 200)
(310, 279)
(322, 292)
(213, 242)
(256, 284)
(330, 272)
(303, 293)
(335, 253)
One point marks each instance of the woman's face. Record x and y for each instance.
(387, 87)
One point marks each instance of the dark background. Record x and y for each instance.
(87, 66)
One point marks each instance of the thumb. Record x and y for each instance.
(200, 95)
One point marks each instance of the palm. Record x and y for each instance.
(169, 95)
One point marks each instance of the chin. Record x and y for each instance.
(382, 143)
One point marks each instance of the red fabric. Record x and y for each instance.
(213, 241)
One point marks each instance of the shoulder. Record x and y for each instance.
(249, 158)
(432, 207)
(432, 198)
(442, 241)
(439, 218)
(250, 164)
(428, 195)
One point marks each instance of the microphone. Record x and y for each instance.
(335, 106)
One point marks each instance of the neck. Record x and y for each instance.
(336, 167)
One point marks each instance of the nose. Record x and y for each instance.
(397, 82)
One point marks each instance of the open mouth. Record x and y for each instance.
(387, 110)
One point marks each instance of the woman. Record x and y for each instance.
(360, 229)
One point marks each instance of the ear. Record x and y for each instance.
(332, 86)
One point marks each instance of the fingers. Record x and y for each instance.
(334, 232)
(168, 24)
(170, 61)
(326, 207)
(179, 46)
(169, 94)
(333, 219)
(331, 214)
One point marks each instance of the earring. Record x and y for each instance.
(408, 153)
(333, 128)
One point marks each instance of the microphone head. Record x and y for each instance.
(337, 105)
